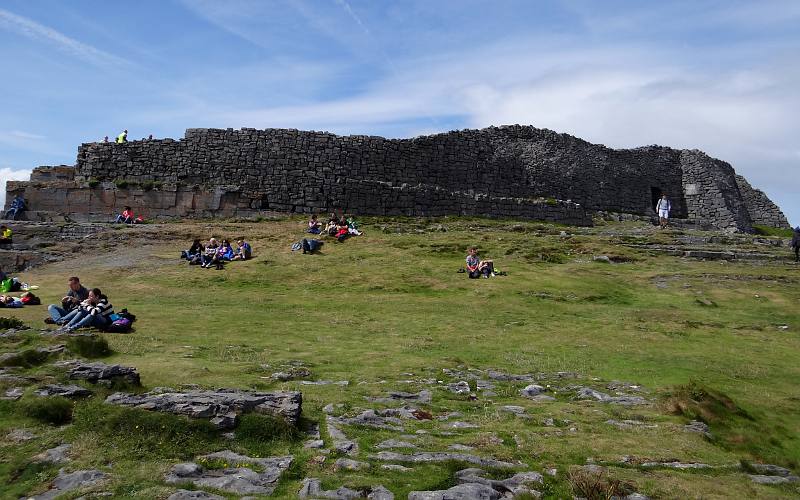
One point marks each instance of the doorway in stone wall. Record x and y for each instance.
(655, 195)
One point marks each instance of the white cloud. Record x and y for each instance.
(39, 32)
(9, 174)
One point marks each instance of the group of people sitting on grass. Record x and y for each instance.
(128, 217)
(81, 307)
(215, 254)
(340, 227)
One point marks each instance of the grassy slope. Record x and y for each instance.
(385, 305)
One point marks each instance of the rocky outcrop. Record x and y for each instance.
(221, 407)
(761, 209)
(101, 372)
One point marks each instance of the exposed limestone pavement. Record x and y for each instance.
(221, 407)
(239, 474)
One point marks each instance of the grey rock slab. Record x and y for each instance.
(471, 491)
(460, 447)
(431, 457)
(394, 443)
(237, 478)
(631, 424)
(588, 393)
(370, 418)
(67, 391)
(462, 425)
(762, 479)
(221, 407)
(771, 470)
(517, 484)
(194, 495)
(20, 435)
(57, 455)
(349, 464)
(66, 482)
(505, 377)
(96, 372)
(396, 468)
(698, 427)
(516, 410)
(312, 488)
(314, 444)
(423, 396)
(532, 390)
(676, 465)
(380, 493)
(461, 387)
(13, 393)
(342, 383)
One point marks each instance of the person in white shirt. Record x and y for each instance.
(663, 207)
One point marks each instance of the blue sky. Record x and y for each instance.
(721, 76)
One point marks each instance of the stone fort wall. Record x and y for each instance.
(515, 171)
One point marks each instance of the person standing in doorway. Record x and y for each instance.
(663, 207)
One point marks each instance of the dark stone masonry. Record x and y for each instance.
(509, 171)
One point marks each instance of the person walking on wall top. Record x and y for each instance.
(663, 207)
(123, 137)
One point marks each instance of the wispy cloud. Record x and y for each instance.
(41, 33)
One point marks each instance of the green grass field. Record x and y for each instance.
(387, 311)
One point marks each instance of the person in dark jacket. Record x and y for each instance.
(796, 243)
(76, 294)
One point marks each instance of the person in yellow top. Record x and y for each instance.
(123, 137)
(5, 234)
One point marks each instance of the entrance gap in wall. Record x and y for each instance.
(655, 195)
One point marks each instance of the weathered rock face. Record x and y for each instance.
(761, 209)
(101, 372)
(221, 407)
(514, 171)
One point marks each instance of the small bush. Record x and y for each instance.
(52, 410)
(698, 402)
(263, 429)
(6, 323)
(147, 185)
(93, 183)
(26, 358)
(772, 231)
(551, 201)
(121, 183)
(597, 485)
(89, 346)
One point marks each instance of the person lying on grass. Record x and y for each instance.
(94, 311)
(477, 267)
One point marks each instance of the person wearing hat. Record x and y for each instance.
(796, 243)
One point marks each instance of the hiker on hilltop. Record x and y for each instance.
(123, 137)
(477, 267)
(76, 294)
(17, 206)
(663, 207)
(5, 234)
(796, 243)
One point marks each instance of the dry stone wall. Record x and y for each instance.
(515, 171)
(761, 209)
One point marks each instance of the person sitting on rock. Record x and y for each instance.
(94, 311)
(243, 251)
(477, 267)
(210, 253)
(796, 243)
(194, 253)
(17, 207)
(314, 225)
(5, 235)
(126, 216)
(76, 294)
